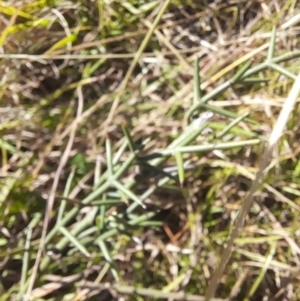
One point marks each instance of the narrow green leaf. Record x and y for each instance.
(283, 71)
(224, 112)
(209, 147)
(179, 163)
(74, 241)
(197, 82)
(253, 80)
(151, 224)
(148, 6)
(263, 271)
(130, 8)
(67, 190)
(231, 125)
(91, 67)
(142, 218)
(129, 138)
(101, 217)
(109, 158)
(107, 234)
(9, 124)
(62, 43)
(241, 72)
(5, 145)
(206, 98)
(236, 130)
(272, 45)
(25, 264)
(97, 173)
(35, 220)
(108, 258)
(120, 152)
(128, 193)
(107, 202)
(7, 185)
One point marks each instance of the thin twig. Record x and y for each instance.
(237, 228)
(108, 56)
(51, 199)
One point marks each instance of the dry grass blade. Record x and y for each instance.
(51, 199)
(268, 153)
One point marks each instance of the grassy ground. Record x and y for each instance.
(131, 132)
